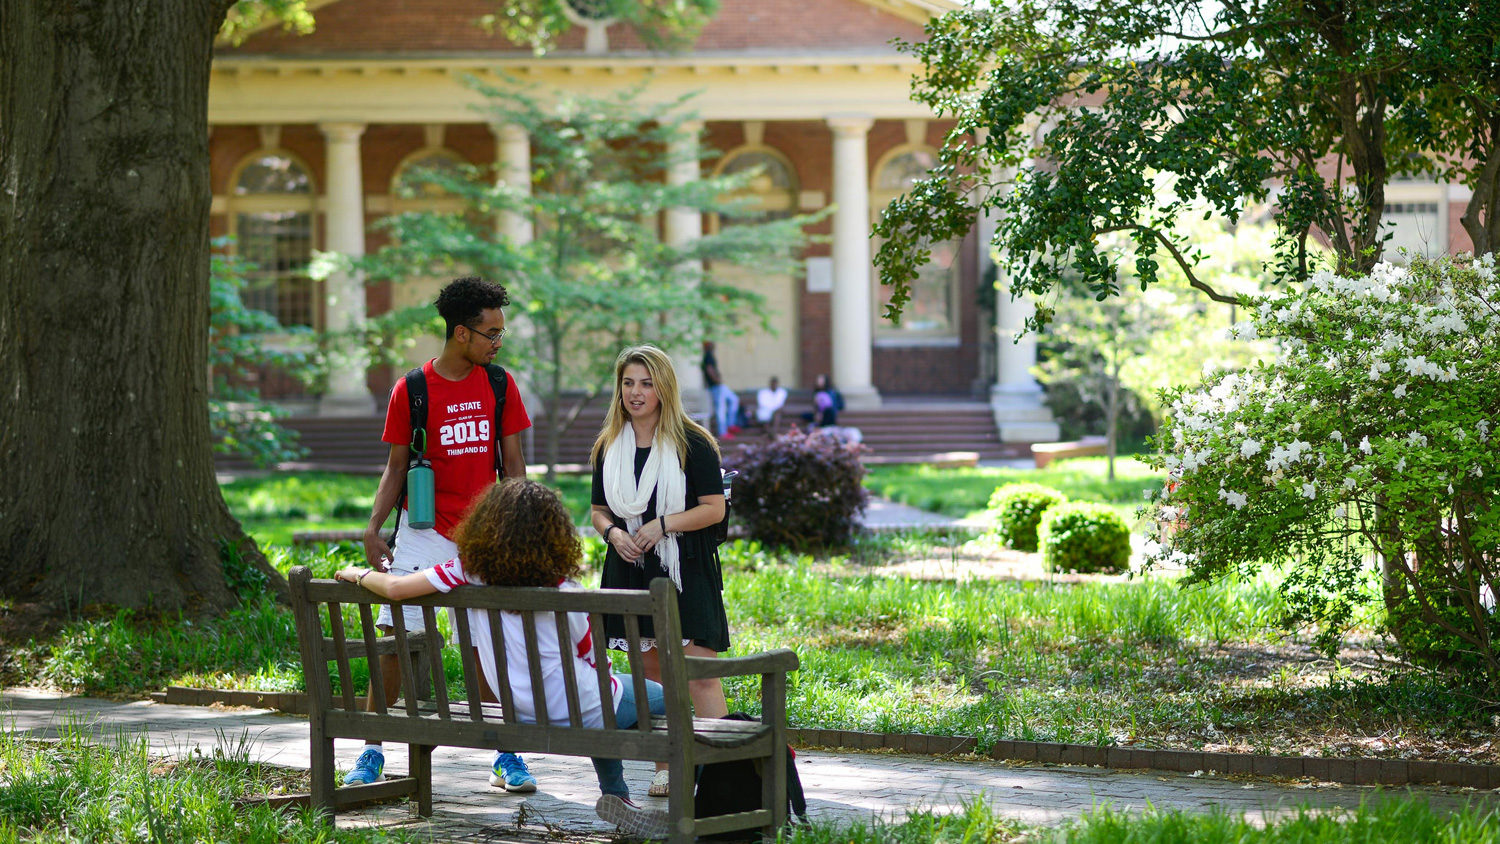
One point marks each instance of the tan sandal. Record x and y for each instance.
(661, 784)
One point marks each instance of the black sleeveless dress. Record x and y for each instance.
(701, 601)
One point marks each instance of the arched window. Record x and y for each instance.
(932, 313)
(409, 191)
(271, 214)
(772, 191)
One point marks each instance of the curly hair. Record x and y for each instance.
(518, 533)
(463, 300)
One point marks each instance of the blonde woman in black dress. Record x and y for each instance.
(656, 491)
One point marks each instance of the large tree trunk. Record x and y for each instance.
(109, 494)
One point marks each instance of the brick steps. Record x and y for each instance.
(908, 431)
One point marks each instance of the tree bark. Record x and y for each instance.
(109, 495)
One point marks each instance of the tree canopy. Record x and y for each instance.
(1077, 119)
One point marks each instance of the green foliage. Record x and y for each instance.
(662, 24)
(965, 492)
(1018, 509)
(1370, 433)
(1084, 537)
(1075, 120)
(801, 490)
(597, 274)
(1383, 818)
(90, 787)
(242, 423)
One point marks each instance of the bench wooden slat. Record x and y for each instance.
(703, 668)
(534, 666)
(602, 669)
(377, 673)
(403, 659)
(435, 661)
(570, 678)
(607, 601)
(657, 744)
(472, 672)
(502, 665)
(384, 646)
(341, 651)
(637, 672)
(351, 795)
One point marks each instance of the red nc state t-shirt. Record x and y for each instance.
(460, 443)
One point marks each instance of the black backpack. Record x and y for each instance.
(727, 788)
(719, 531)
(416, 403)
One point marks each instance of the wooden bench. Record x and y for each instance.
(1044, 453)
(677, 738)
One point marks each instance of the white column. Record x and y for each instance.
(684, 225)
(851, 301)
(513, 166)
(344, 227)
(1016, 399)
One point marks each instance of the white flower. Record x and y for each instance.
(1236, 500)
(1310, 491)
(1364, 445)
(1416, 439)
(1340, 512)
(1249, 448)
(1415, 365)
(1477, 472)
(1336, 436)
(1400, 391)
(1350, 484)
(1450, 489)
(1401, 465)
(1483, 427)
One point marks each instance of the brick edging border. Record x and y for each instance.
(1359, 771)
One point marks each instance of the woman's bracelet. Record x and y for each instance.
(359, 579)
(606, 533)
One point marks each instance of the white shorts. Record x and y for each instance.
(415, 550)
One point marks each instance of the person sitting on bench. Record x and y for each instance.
(518, 533)
(768, 403)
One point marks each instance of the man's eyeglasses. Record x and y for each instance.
(493, 337)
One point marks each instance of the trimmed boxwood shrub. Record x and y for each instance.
(1084, 537)
(800, 490)
(1018, 510)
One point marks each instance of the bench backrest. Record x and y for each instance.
(320, 605)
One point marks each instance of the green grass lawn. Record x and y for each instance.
(1140, 661)
(91, 787)
(965, 492)
(274, 507)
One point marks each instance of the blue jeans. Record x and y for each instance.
(611, 772)
(726, 407)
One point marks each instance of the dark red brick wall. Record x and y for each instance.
(448, 26)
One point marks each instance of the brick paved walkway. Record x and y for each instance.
(838, 785)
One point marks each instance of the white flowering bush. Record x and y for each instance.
(1366, 442)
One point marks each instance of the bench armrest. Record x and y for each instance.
(780, 660)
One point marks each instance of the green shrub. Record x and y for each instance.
(1084, 537)
(800, 490)
(1018, 509)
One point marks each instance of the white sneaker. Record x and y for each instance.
(632, 819)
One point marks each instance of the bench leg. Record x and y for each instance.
(322, 776)
(680, 802)
(420, 756)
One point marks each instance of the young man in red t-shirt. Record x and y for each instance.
(460, 445)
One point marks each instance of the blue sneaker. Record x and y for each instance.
(510, 773)
(367, 767)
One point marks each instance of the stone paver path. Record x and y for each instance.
(838, 785)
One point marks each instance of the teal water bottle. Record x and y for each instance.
(420, 506)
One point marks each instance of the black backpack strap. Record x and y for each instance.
(416, 408)
(416, 403)
(499, 383)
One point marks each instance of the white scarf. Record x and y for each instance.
(628, 497)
